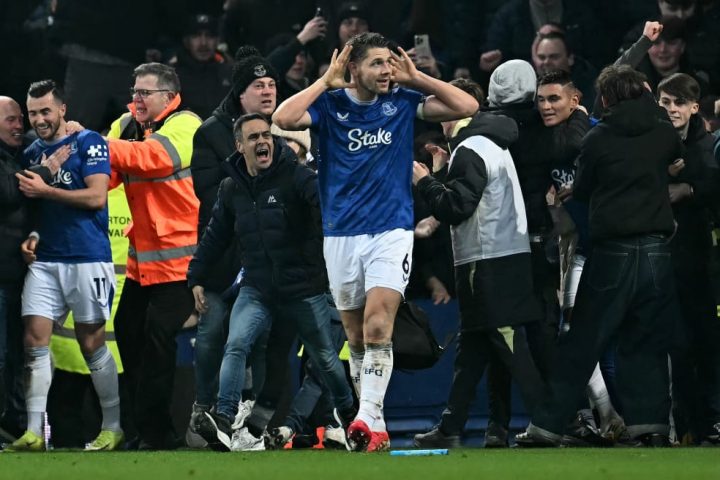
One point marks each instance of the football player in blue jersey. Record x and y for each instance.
(72, 268)
(365, 128)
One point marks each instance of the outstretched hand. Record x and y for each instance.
(403, 68)
(334, 77)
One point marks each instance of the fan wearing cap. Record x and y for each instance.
(204, 73)
(253, 91)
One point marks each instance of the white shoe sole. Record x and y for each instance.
(222, 437)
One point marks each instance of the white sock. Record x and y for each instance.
(376, 371)
(356, 365)
(103, 373)
(38, 376)
(599, 397)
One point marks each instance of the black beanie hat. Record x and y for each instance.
(249, 69)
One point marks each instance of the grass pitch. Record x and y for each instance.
(468, 464)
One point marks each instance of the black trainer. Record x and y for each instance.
(436, 439)
(496, 436)
(216, 430)
(536, 437)
(584, 433)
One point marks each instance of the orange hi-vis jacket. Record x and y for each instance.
(154, 166)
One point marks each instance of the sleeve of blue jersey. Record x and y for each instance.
(317, 110)
(93, 151)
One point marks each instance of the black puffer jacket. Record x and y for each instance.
(213, 143)
(14, 218)
(275, 218)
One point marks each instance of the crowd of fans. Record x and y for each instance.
(536, 64)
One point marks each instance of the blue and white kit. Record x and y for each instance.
(365, 182)
(74, 269)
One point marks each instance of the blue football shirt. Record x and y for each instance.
(365, 161)
(69, 234)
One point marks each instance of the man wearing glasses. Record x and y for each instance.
(150, 151)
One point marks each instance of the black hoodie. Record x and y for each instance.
(456, 199)
(692, 244)
(275, 218)
(622, 171)
(533, 158)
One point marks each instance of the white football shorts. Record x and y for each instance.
(357, 263)
(53, 289)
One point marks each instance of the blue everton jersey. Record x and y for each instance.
(69, 234)
(365, 161)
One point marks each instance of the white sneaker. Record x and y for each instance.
(334, 437)
(244, 409)
(243, 441)
(279, 437)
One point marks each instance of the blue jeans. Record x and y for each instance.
(251, 316)
(209, 341)
(627, 294)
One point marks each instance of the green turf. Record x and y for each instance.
(470, 464)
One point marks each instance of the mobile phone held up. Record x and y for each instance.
(422, 46)
(319, 12)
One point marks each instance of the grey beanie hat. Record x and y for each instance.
(512, 82)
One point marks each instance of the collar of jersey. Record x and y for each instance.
(54, 142)
(360, 102)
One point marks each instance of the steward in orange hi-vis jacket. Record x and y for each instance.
(150, 151)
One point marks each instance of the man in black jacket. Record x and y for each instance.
(694, 195)
(270, 204)
(254, 90)
(14, 229)
(627, 289)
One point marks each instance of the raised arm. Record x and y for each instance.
(293, 114)
(445, 103)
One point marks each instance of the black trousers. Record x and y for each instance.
(542, 336)
(474, 351)
(696, 356)
(146, 324)
(626, 291)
